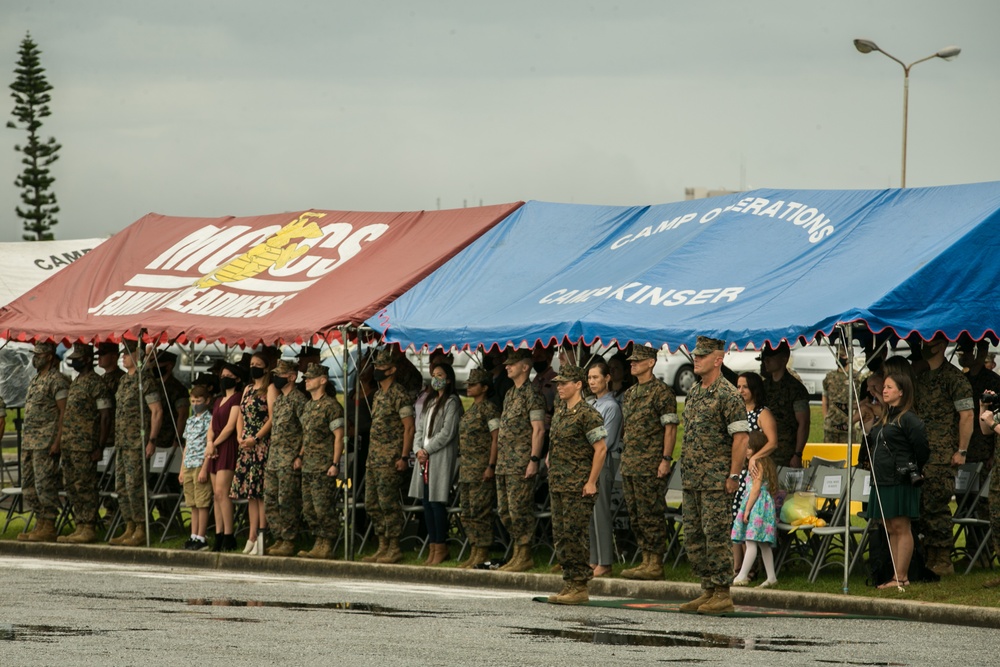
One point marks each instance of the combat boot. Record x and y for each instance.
(138, 538)
(321, 549)
(633, 571)
(283, 548)
(71, 537)
(120, 540)
(392, 552)
(652, 570)
(85, 535)
(939, 561)
(46, 532)
(383, 544)
(554, 598)
(478, 555)
(26, 537)
(693, 605)
(522, 560)
(721, 603)
(576, 593)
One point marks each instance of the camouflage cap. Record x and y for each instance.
(286, 366)
(44, 348)
(315, 370)
(571, 373)
(641, 353)
(515, 356)
(107, 348)
(479, 376)
(384, 357)
(706, 345)
(81, 351)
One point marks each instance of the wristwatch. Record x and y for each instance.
(963, 452)
(668, 459)
(536, 459)
(734, 477)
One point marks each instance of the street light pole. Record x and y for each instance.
(947, 53)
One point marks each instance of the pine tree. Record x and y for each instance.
(31, 97)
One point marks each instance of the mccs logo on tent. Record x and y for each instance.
(240, 271)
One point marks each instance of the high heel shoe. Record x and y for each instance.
(251, 547)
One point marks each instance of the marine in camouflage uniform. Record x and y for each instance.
(715, 422)
(85, 426)
(43, 416)
(577, 450)
(282, 480)
(388, 455)
(107, 359)
(836, 398)
(516, 449)
(477, 493)
(786, 398)
(943, 397)
(322, 446)
(135, 416)
(649, 409)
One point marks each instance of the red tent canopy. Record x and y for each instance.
(272, 278)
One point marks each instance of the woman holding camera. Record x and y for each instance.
(899, 450)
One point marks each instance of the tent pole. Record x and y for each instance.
(140, 366)
(348, 527)
(847, 331)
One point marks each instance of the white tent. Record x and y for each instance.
(26, 264)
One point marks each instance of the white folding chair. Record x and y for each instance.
(829, 485)
(831, 537)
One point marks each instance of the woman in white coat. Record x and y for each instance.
(436, 449)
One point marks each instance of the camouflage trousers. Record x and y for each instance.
(129, 484)
(382, 501)
(516, 504)
(645, 498)
(283, 501)
(319, 504)
(571, 514)
(80, 482)
(40, 483)
(935, 512)
(708, 520)
(477, 499)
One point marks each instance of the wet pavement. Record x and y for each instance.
(68, 613)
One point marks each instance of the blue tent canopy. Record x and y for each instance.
(757, 266)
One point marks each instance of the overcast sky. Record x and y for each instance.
(243, 108)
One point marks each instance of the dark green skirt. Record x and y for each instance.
(896, 500)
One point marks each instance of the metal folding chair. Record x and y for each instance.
(831, 537)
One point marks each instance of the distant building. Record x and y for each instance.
(705, 193)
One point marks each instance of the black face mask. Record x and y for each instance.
(228, 383)
(78, 365)
(540, 366)
(279, 382)
(256, 373)
(380, 374)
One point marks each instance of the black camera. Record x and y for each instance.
(910, 474)
(989, 400)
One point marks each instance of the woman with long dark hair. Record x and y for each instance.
(436, 448)
(899, 448)
(221, 452)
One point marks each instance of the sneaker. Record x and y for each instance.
(201, 545)
(190, 544)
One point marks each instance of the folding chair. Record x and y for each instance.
(543, 523)
(967, 488)
(674, 517)
(413, 509)
(978, 532)
(817, 462)
(830, 534)
(796, 543)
